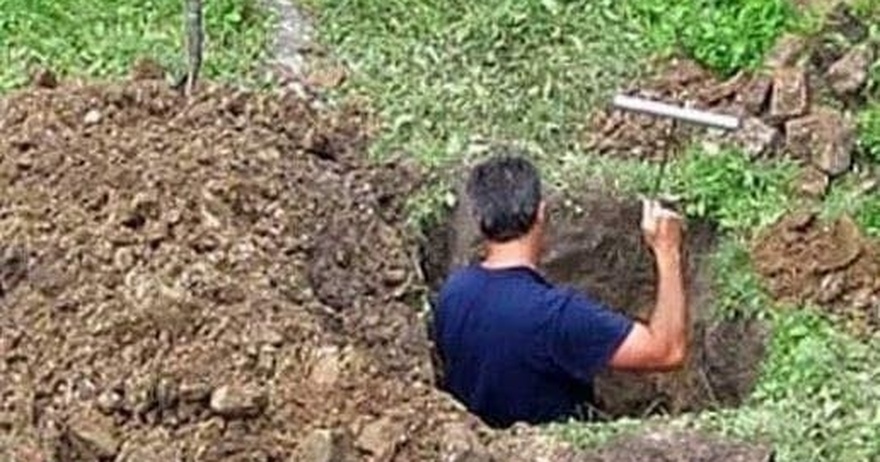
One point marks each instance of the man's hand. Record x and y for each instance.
(661, 344)
(662, 228)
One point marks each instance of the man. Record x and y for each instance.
(515, 347)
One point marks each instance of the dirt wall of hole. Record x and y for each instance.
(595, 244)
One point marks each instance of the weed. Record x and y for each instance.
(869, 132)
(100, 39)
(738, 291)
(723, 35)
(732, 191)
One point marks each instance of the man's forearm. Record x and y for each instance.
(669, 320)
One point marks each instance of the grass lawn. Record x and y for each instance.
(104, 38)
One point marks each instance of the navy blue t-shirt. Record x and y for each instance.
(517, 349)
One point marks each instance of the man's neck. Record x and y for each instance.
(516, 253)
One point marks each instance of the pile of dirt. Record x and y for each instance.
(797, 105)
(828, 264)
(208, 279)
(595, 245)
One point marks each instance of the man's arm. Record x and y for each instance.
(662, 343)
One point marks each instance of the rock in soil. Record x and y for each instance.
(812, 183)
(787, 52)
(325, 446)
(755, 95)
(757, 138)
(91, 437)
(825, 138)
(829, 264)
(790, 97)
(236, 402)
(850, 74)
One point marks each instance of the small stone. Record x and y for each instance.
(194, 392)
(381, 438)
(790, 95)
(92, 117)
(326, 367)
(237, 402)
(787, 52)
(850, 73)
(813, 183)
(825, 138)
(325, 446)
(271, 337)
(459, 443)
(755, 94)
(109, 402)
(394, 276)
(757, 138)
(91, 436)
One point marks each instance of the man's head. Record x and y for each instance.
(505, 193)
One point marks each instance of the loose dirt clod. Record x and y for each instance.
(829, 264)
(824, 138)
(850, 74)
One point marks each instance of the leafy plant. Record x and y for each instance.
(724, 35)
(732, 191)
(869, 132)
(738, 291)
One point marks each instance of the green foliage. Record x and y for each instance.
(732, 191)
(817, 396)
(104, 38)
(869, 132)
(446, 71)
(724, 35)
(738, 291)
(868, 216)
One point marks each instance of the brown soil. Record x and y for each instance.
(220, 278)
(829, 264)
(156, 250)
(668, 446)
(595, 245)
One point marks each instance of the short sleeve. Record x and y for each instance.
(584, 335)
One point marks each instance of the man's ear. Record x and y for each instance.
(542, 212)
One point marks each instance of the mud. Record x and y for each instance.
(829, 264)
(595, 245)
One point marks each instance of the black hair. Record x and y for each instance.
(505, 195)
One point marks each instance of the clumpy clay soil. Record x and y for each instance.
(220, 278)
(205, 279)
(826, 263)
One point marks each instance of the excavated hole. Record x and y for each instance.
(595, 245)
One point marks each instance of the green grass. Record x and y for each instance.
(815, 401)
(724, 35)
(442, 73)
(732, 191)
(103, 38)
(869, 132)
